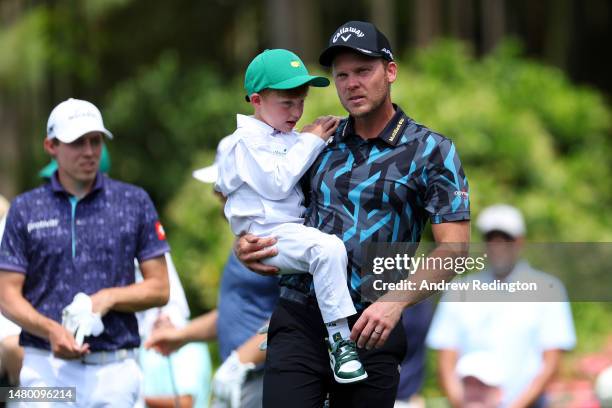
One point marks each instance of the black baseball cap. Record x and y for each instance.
(360, 36)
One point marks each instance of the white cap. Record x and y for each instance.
(603, 388)
(72, 119)
(207, 174)
(501, 217)
(481, 365)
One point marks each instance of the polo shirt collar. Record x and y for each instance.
(57, 187)
(250, 122)
(391, 134)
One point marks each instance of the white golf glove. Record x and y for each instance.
(79, 319)
(227, 381)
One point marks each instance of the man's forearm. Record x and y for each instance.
(135, 297)
(452, 241)
(184, 401)
(153, 291)
(202, 328)
(16, 308)
(447, 362)
(432, 276)
(249, 351)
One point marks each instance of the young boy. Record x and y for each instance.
(260, 166)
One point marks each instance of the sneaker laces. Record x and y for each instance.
(345, 349)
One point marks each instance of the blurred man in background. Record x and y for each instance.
(416, 321)
(525, 339)
(184, 377)
(481, 379)
(78, 234)
(11, 354)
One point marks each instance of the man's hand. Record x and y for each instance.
(63, 344)
(373, 327)
(165, 340)
(163, 321)
(227, 381)
(251, 249)
(324, 127)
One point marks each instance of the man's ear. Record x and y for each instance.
(50, 146)
(391, 71)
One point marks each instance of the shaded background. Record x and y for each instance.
(521, 86)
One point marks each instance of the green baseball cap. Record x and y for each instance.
(105, 165)
(278, 69)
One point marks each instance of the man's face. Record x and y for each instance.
(79, 160)
(503, 252)
(363, 83)
(279, 109)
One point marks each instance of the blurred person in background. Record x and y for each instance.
(481, 379)
(245, 303)
(182, 378)
(603, 388)
(79, 234)
(416, 321)
(11, 354)
(525, 339)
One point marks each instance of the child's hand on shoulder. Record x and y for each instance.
(324, 127)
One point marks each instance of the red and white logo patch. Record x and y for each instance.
(159, 229)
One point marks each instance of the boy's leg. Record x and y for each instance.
(304, 249)
(325, 258)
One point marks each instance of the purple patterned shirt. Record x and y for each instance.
(65, 246)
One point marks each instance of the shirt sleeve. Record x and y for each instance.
(446, 186)
(13, 254)
(444, 332)
(273, 175)
(151, 238)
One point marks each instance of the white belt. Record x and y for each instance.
(95, 357)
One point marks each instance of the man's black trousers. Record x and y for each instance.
(298, 373)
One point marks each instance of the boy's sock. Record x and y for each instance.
(338, 326)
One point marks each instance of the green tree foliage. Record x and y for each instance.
(162, 116)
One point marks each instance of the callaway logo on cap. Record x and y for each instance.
(360, 36)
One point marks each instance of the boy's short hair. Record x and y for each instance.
(301, 90)
(278, 69)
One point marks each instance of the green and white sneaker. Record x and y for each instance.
(344, 361)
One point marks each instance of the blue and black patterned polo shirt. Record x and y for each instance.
(65, 246)
(382, 190)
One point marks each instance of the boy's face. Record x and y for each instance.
(280, 109)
